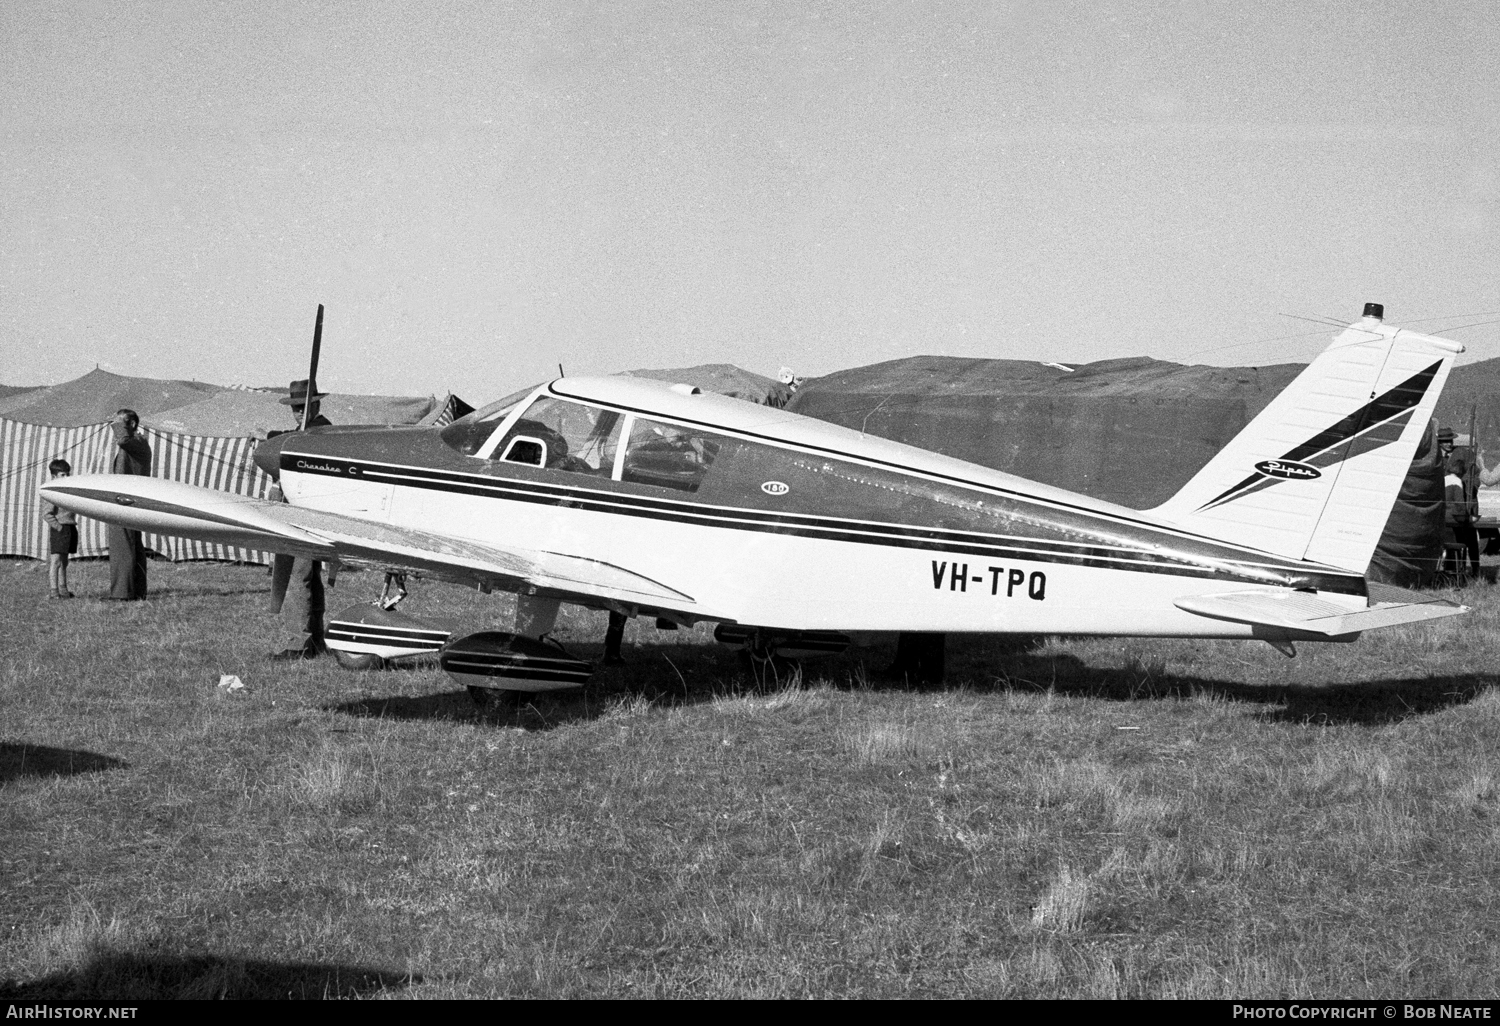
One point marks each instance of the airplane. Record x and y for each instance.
(654, 499)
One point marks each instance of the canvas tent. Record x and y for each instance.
(231, 412)
(96, 396)
(722, 379)
(1411, 548)
(1474, 388)
(1128, 431)
(199, 434)
(11, 391)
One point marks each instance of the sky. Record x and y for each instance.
(481, 192)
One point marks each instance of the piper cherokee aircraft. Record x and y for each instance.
(653, 499)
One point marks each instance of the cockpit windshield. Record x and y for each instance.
(562, 435)
(469, 432)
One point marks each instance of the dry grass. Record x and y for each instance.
(1099, 818)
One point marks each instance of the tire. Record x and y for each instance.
(493, 699)
(771, 670)
(359, 660)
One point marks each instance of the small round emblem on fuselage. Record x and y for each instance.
(775, 488)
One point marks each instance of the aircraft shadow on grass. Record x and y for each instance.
(128, 976)
(690, 674)
(1370, 703)
(655, 673)
(20, 760)
(205, 591)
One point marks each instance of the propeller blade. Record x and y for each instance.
(312, 372)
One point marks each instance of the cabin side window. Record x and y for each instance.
(668, 456)
(562, 435)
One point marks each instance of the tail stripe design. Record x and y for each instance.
(1378, 423)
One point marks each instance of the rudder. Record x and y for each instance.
(1314, 475)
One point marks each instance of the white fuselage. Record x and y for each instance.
(1116, 574)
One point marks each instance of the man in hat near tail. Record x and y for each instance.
(1460, 494)
(295, 577)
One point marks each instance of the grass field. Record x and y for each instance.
(1093, 818)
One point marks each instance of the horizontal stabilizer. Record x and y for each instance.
(1305, 612)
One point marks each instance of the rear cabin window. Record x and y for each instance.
(562, 435)
(669, 456)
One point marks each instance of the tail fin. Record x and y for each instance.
(1315, 474)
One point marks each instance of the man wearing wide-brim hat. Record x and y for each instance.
(299, 578)
(303, 394)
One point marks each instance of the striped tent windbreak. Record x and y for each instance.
(446, 412)
(225, 464)
(25, 451)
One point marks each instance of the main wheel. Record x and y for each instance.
(359, 660)
(770, 669)
(493, 699)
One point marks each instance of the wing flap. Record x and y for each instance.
(1304, 612)
(383, 544)
(170, 507)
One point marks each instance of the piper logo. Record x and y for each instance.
(1288, 470)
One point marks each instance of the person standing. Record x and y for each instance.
(613, 636)
(921, 658)
(1460, 495)
(1487, 478)
(1484, 477)
(127, 553)
(303, 577)
(63, 535)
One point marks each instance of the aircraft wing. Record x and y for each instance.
(158, 506)
(1305, 612)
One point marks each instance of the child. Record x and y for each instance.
(64, 535)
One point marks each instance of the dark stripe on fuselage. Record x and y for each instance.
(1091, 512)
(940, 540)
